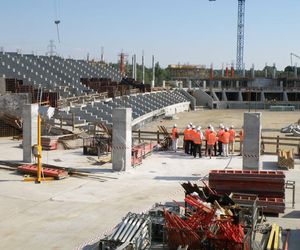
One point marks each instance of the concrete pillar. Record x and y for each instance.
(224, 96)
(204, 85)
(30, 115)
(240, 96)
(121, 139)
(262, 96)
(281, 84)
(251, 152)
(164, 84)
(219, 84)
(176, 84)
(285, 97)
(295, 71)
(266, 71)
(252, 72)
(189, 84)
(2, 85)
(152, 84)
(274, 71)
(237, 84)
(180, 85)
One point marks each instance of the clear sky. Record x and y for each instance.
(186, 31)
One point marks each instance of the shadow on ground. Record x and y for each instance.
(293, 215)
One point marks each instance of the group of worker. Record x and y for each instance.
(217, 143)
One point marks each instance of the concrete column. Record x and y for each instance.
(237, 84)
(274, 71)
(189, 84)
(295, 71)
(252, 130)
(204, 85)
(252, 72)
(219, 84)
(176, 84)
(121, 139)
(152, 84)
(281, 84)
(180, 85)
(262, 98)
(224, 96)
(240, 96)
(2, 85)
(164, 84)
(285, 97)
(30, 115)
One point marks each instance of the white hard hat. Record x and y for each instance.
(222, 126)
(191, 124)
(188, 126)
(198, 129)
(231, 126)
(194, 126)
(226, 129)
(175, 125)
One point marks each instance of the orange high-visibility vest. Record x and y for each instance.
(232, 135)
(185, 134)
(188, 135)
(193, 132)
(207, 132)
(220, 135)
(197, 138)
(174, 132)
(212, 138)
(225, 137)
(242, 135)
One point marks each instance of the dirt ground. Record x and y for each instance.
(270, 120)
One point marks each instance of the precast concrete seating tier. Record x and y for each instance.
(143, 106)
(54, 73)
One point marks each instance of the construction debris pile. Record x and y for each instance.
(246, 185)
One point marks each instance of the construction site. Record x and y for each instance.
(95, 155)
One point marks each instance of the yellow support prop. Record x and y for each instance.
(271, 238)
(39, 147)
(276, 240)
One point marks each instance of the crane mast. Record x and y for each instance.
(240, 36)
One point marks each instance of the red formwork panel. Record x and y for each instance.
(47, 172)
(263, 183)
(268, 204)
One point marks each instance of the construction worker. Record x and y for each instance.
(175, 137)
(207, 132)
(225, 142)
(197, 139)
(211, 142)
(231, 139)
(186, 136)
(220, 139)
(242, 137)
(193, 131)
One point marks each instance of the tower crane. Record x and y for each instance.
(293, 55)
(240, 35)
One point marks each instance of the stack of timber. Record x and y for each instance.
(269, 186)
(286, 159)
(49, 142)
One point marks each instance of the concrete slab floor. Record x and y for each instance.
(75, 212)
